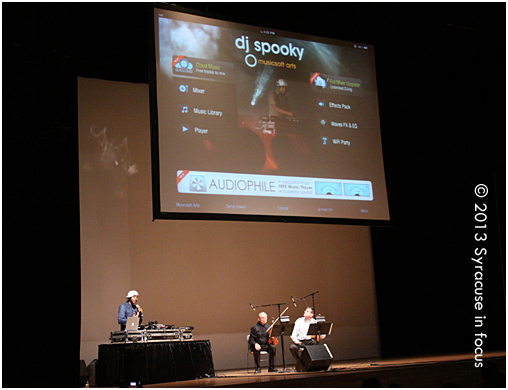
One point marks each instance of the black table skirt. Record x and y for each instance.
(154, 362)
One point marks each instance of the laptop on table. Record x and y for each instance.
(132, 323)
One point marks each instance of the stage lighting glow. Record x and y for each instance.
(261, 81)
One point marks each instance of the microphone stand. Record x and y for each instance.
(282, 344)
(313, 303)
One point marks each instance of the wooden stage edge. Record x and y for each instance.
(417, 371)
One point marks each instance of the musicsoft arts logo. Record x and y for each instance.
(182, 65)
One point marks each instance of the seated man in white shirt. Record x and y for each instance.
(299, 335)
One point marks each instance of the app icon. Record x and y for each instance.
(184, 64)
(183, 88)
(320, 82)
(197, 183)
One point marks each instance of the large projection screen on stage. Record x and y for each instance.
(250, 123)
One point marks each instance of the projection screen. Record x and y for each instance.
(251, 123)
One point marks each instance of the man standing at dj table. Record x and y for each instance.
(258, 341)
(278, 101)
(129, 309)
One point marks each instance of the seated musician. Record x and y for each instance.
(259, 342)
(300, 337)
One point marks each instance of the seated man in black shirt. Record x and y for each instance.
(259, 342)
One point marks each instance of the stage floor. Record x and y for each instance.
(421, 371)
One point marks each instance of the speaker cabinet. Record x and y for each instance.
(316, 358)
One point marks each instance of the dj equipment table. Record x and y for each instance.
(153, 362)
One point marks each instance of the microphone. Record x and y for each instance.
(293, 299)
(253, 308)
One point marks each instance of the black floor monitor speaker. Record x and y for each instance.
(316, 357)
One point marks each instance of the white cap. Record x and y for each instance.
(131, 293)
(282, 83)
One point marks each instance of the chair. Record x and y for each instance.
(264, 354)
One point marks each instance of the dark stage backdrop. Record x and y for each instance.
(441, 80)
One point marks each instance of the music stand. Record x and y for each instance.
(320, 328)
(280, 330)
